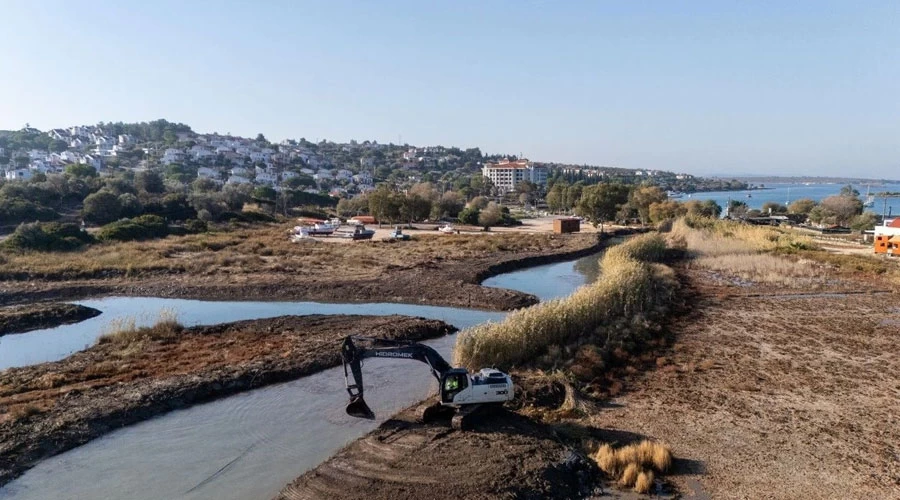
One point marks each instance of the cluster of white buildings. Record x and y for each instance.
(223, 159)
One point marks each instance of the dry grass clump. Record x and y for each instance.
(644, 481)
(627, 288)
(634, 465)
(124, 332)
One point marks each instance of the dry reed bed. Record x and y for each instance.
(746, 251)
(629, 287)
(264, 248)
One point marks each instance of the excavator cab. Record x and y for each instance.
(453, 382)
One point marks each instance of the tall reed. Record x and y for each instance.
(627, 287)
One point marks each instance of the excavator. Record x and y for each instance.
(461, 393)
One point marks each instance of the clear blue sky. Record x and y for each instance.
(791, 87)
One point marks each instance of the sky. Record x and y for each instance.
(705, 87)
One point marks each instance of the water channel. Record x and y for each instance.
(246, 446)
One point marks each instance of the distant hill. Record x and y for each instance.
(754, 179)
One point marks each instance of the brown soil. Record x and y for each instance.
(24, 318)
(48, 408)
(791, 396)
(504, 456)
(446, 272)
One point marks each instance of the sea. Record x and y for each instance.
(786, 193)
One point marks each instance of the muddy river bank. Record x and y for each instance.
(28, 317)
(52, 407)
(439, 281)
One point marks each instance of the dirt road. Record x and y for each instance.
(51, 407)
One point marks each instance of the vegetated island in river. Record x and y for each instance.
(24, 318)
(260, 263)
(133, 375)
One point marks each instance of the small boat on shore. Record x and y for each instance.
(447, 229)
(397, 234)
(674, 194)
(359, 233)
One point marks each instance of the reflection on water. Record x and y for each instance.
(250, 445)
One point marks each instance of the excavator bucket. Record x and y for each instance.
(357, 407)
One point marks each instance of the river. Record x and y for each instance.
(246, 446)
(786, 193)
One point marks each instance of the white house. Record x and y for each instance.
(289, 174)
(363, 178)
(20, 174)
(125, 139)
(240, 172)
(267, 178)
(237, 179)
(200, 152)
(208, 173)
(367, 162)
(260, 156)
(307, 171)
(172, 155)
(94, 161)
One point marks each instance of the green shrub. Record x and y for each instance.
(50, 237)
(247, 217)
(18, 210)
(144, 227)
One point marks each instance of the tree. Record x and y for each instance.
(844, 207)
(490, 216)
(664, 210)
(773, 207)
(131, 206)
(261, 139)
(556, 197)
(264, 193)
(469, 215)
(204, 185)
(384, 205)
(149, 181)
(821, 215)
(414, 208)
(644, 196)
(737, 208)
(449, 205)
(600, 202)
(573, 195)
(81, 170)
(864, 221)
(479, 202)
(101, 207)
(849, 190)
(801, 206)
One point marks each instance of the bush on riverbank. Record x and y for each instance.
(48, 237)
(629, 293)
(144, 227)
